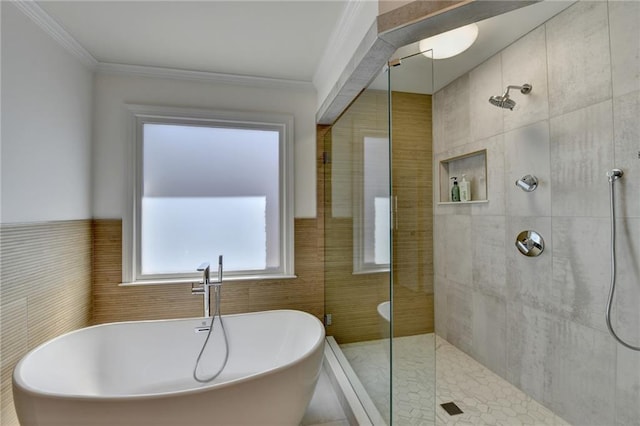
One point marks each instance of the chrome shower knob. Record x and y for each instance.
(527, 183)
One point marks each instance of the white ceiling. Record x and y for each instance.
(281, 39)
(273, 39)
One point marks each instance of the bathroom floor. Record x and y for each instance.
(324, 408)
(484, 397)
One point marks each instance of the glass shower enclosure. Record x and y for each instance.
(378, 205)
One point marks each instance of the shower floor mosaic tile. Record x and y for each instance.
(484, 397)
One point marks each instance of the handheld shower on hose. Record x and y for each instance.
(613, 176)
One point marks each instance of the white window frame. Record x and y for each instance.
(141, 114)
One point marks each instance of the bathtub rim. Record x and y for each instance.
(17, 382)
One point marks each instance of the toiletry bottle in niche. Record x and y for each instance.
(465, 189)
(455, 190)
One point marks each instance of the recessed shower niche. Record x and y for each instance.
(473, 166)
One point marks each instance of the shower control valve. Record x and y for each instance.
(528, 183)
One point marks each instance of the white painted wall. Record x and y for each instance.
(112, 139)
(46, 126)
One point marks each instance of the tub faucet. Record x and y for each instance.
(205, 285)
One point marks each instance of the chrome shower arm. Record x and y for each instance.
(524, 89)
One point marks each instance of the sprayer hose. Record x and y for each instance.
(612, 289)
(217, 295)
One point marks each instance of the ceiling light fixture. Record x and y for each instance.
(450, 43)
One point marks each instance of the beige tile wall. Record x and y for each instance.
(351, 298)
(116, 303)
(46, 290)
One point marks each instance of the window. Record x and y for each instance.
(208, 183)
(372, 232)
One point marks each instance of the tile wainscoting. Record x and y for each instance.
(46, 290)
(112, 302)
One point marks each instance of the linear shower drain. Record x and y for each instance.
(451, 408)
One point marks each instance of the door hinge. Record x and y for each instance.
(326, 158)
(327, 319)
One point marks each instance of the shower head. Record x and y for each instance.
(504, 101)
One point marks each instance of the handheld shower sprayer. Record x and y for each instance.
(613, 176)
(504, 101)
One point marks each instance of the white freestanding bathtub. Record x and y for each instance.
(384, 319)
(140, 373)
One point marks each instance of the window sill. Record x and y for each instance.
(371, 271)
(197, 280)
(457, 203)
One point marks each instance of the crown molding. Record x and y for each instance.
(203, 76)
(49, 25)
(338, 36)
(41, 18)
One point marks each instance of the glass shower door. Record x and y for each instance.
(378, 245)
(358, 248)
(413, 343)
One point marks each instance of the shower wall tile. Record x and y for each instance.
(626, 110)
(495, 182)
(525, 61)
(485, 81)
(627, 321)
(626, 315)
(489, 331)
(488, 263)
(581, 264)
(439, 245)
(459, 315)
(451, 122)
(458, 249)
(529, 349)
(581, 153)
(581, 374)
(439, 134)
(568, 367)
(440, 302)
(627, 385)
(527, 153)
(529, 278)
(625, 45)
(568, 132)
(578, 57)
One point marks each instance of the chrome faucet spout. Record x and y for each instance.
(204, 288)
(205, 268)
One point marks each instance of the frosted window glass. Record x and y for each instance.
(376, 200)
(180, 232)
(209, 191)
